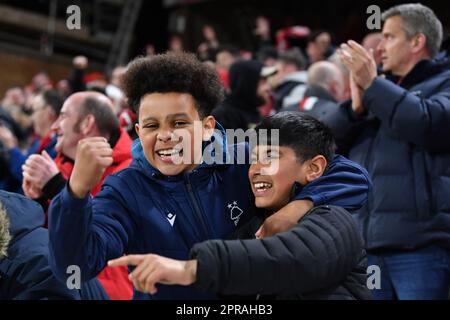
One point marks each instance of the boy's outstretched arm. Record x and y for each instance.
(84, 233)
(345, 184)
(152, 269)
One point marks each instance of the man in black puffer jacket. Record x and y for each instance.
(322, 257)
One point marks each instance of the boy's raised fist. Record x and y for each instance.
(93, 156)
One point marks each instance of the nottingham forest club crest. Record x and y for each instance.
(235, 212)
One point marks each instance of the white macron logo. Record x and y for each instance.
(171, 218)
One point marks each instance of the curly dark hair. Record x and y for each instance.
(173, 72)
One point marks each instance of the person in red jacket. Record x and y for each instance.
(83, 115)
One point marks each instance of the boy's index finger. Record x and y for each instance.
(131, 260)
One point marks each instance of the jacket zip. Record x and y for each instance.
(196, 206)
(368, 205)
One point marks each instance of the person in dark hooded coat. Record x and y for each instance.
(240, 108)
(25, 272)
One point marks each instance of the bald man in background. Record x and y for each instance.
(325, 89)
(85, 116)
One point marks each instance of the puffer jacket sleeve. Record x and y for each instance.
(345, 184)
(318, 253)
(423, 122)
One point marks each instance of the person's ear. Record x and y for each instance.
(316, 168)
(333, 88)
(51, 114)
(209, 124)
(419, 42)
(87, 124)
(137, 128)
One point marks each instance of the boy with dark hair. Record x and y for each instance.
(320, 258)
(159, 204)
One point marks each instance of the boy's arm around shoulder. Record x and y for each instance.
(345, 184)
(317, 253)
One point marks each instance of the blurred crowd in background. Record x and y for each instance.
(292, 69)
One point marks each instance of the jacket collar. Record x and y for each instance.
(423, 70)
(319, 92)
(121, 149)
(298, 76)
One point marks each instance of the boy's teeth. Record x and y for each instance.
(262, 185)
(168, 152)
